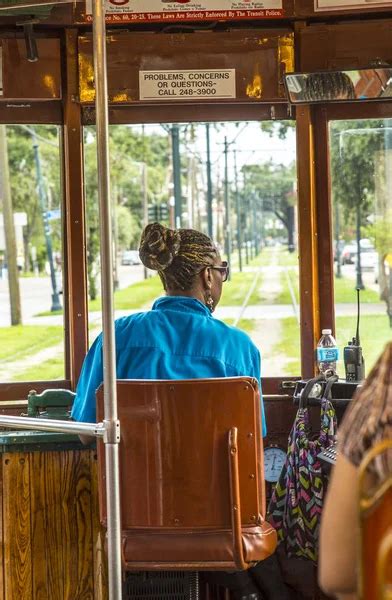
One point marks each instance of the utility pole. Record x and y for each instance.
(337, 249)
(115, 238)
(237, 203)
(209, 184)
(358, 232)
(9, 231)
(56, 304)
(191, 192)
(227, 204)
(175, 134)
(145, 203)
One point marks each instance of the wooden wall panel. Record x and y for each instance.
(77, 525)
(259, 57)
(305, 8)
(345, 45)
(46, 524)
(17, 528)
(2, 578)
(51, 542)
(40, 80)
(100, 563)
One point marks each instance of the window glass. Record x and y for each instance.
(361, 171)
(31, 282)
(164, 173)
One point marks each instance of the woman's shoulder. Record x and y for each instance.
(239, 338)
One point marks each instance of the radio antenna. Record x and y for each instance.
(357, 341)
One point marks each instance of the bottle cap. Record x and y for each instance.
(326, 331)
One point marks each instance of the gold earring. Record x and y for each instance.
(209, 301)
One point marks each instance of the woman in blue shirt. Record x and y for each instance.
(179, 339)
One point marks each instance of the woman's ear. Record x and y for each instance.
(207, 280)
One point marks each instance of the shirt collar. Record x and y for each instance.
(182, 304)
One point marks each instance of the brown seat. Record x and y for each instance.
(375, 508)
(191, 474)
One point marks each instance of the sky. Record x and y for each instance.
(251, 144)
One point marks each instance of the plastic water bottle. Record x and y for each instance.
(327, 352)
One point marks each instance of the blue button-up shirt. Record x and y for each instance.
(177, 339)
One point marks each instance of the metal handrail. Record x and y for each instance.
(109, 430)
(54, 425)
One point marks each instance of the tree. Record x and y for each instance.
(128, 150)
(9, 231)
(272, 187)
(24, 192)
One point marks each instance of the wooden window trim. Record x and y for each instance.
(322, 115)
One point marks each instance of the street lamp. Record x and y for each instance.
(358, 236)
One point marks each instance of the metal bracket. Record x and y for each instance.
(112, 432)
(30, 41)
(288, 385)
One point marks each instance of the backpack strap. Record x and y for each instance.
(328, 387)
(303, 400)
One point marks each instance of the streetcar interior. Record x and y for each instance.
(269, 129)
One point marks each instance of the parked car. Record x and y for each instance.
(349, 252)
(130, 257)
(369, 259)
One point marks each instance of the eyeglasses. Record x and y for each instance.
(224, 270)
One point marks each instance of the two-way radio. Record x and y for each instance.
(354, 362)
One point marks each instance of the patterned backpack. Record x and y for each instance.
(297, 501)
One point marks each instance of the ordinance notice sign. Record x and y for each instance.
(187, 85)
(350, 4)
(158, 11)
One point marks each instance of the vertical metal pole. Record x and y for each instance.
(109, 351)
(237, 204)
(209, 184)
(227, 204)
(56, 304)
(175, 133)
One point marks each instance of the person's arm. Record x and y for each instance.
(365, 423)
(339, 535)
(90, 379)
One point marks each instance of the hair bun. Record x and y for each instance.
(159, 246)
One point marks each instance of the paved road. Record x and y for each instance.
(36, 293)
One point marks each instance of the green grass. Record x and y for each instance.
(49, 313)
(345, 292)
(235, 290)
(284, 296)
(282, 256)
(246, 325)
(134, 296)
(49, 370)
(375, 333)
(24, 340)
(289, 345)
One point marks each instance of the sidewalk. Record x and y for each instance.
(260, 311)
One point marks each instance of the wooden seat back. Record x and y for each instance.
(376, 529)
(191, 470)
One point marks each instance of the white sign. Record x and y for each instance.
(350, 4)
(187, 85)
(150, 11)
